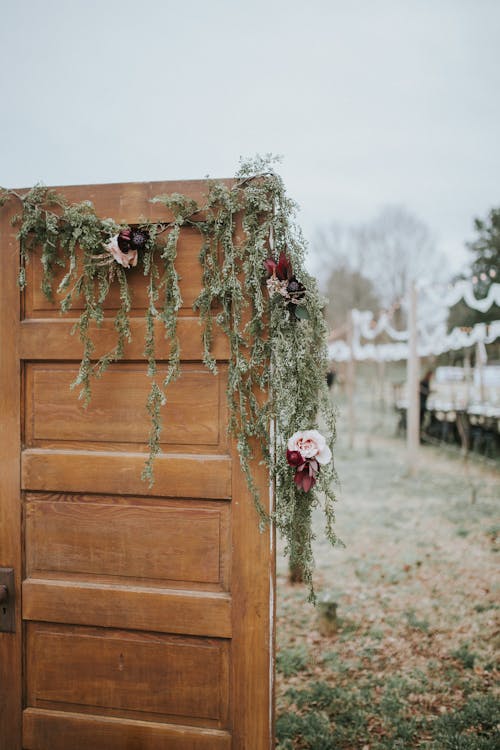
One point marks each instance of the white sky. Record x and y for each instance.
(369, 101)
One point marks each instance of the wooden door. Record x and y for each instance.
(144, 617)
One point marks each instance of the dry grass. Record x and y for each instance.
(412, 663)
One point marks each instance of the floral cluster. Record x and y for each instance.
(282, 281)
(306, 451)
(125, 246)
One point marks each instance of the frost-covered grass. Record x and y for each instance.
(413, 661)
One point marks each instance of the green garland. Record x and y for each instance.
(277, 360)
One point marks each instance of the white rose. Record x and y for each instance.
(310, 444)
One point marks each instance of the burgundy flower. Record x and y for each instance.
(124, 240)
(294, 458)
(282, 269)
(132, 239)
(307, 461)
(313, 466)
(304, 479)
(270, 266)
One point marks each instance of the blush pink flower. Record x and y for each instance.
(125, 259)
(310, 444)
(306, 451)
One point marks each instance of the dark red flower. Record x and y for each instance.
(313, 466)
(304, 479)
(124, 240)
(306, 469)
(132, 239)
(284, 268)
(270, 266)
(294, 458)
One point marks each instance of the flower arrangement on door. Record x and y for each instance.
(255, 290)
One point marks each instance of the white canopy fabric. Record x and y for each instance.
(432, 336)
(434, 345)
(464, 290)
(370, 329)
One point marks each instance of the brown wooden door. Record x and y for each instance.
(143, 616)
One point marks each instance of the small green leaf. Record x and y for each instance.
(301, 312)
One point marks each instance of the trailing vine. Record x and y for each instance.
(276, 331)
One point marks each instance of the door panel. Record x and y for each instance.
(147, 617)
(138, 608)
(62, 730)
(103, 537)
(178, 677)
(184, 475)
(54, 414)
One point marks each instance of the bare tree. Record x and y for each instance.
(347, 289)
(372, 264)
(402, 250)
(340, 246)
(342, 251)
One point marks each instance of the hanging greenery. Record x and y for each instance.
(255, 289)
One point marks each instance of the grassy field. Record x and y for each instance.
(411, 663)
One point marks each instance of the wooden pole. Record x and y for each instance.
(480, 370)
(381, 382)
(350, 381)
(413, 412)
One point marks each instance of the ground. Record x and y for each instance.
(411, 663)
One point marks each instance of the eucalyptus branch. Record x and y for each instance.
(277, 341)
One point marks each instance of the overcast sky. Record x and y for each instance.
(370, 102)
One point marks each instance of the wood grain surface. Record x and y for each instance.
(10, 450)
(176, 475)
(102, 538)
(54, 413)
(147, 612)
(61, 730)
(175, 676)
